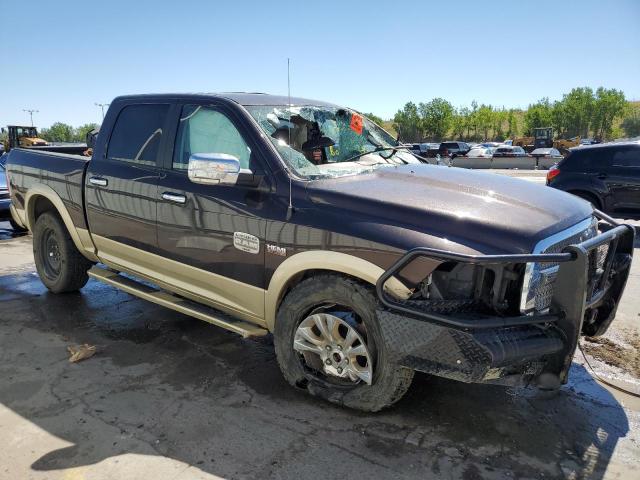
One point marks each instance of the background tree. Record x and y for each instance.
(631, 123)
(609, 105)
(484, 120)
(80, 133)
(499, 117)
(578, 107)
(407, 123)
(538, 115)
(458, 124)
(473, 120)
(58, 132)
(436, 117)
(512, 124)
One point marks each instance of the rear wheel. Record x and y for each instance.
(328, 342)
(61, 267)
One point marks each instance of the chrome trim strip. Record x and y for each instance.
(541, 246)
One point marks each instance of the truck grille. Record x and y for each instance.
(537, 288)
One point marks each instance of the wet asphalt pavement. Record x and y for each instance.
(168, 396)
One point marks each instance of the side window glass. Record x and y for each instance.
(206, 130)
(627, 157)
(137, 133)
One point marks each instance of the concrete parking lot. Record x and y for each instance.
(167, 396)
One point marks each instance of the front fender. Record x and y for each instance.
(291, 270)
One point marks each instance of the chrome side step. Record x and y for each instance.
(174, 302)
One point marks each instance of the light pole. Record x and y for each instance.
(102, 105)
(31, 112)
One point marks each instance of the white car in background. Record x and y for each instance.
(480, 152)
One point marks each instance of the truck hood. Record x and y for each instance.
(484, 212)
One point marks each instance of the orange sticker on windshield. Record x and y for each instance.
(356, 123)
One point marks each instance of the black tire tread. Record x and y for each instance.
(73, 275)
(391, 381)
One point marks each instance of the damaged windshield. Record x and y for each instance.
(325, 141)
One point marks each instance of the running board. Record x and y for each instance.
(174, 302)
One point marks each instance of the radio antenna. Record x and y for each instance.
(290, 208)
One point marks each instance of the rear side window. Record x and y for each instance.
(589, 159)
(627, 157)
(137, 134)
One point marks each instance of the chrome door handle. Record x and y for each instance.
(99, 181)
(174, 197)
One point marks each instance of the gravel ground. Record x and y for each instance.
(168, 396)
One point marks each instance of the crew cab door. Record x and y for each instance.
(213, 235)
(122, 186)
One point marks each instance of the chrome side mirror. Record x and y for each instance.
(213, 168)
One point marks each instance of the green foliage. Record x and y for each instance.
(80, 133)
(609, 104)
(58, 132)
(538, 115)
(578, 107)
(436, 117)
(459, 123)
(484, 120)
(512, 124)
(407, 123)
(631, 123)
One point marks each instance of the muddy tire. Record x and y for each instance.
(61, 267)
(389, 382)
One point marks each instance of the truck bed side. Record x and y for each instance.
(42, 180)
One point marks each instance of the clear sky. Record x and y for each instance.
(61, 57)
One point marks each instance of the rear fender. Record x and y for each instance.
(81, 237)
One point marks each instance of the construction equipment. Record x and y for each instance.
(27, 137)
(23, 137)
(563, 145)
(543, 138)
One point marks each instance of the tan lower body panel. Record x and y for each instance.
(235, 298)
(178, 304)
(18, 216)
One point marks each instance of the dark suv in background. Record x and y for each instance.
(453, 148)
(607, 175)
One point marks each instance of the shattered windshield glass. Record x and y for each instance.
(324, 141)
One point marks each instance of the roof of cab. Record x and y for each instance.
(242, 98)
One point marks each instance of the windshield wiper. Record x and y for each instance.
(375, 150)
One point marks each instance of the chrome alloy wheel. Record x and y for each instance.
(329, 343)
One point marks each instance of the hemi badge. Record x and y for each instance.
(276, 250)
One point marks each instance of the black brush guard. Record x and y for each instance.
(512, 349)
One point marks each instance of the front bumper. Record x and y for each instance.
(511, 349)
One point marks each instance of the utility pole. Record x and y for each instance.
(102, 105)
(31, 112)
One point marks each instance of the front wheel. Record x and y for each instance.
(61, 267)
(328, 342)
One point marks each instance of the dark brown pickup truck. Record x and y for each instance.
(306, 220)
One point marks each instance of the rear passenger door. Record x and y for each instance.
(623, 178)
(213, 235)
(122, 186)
